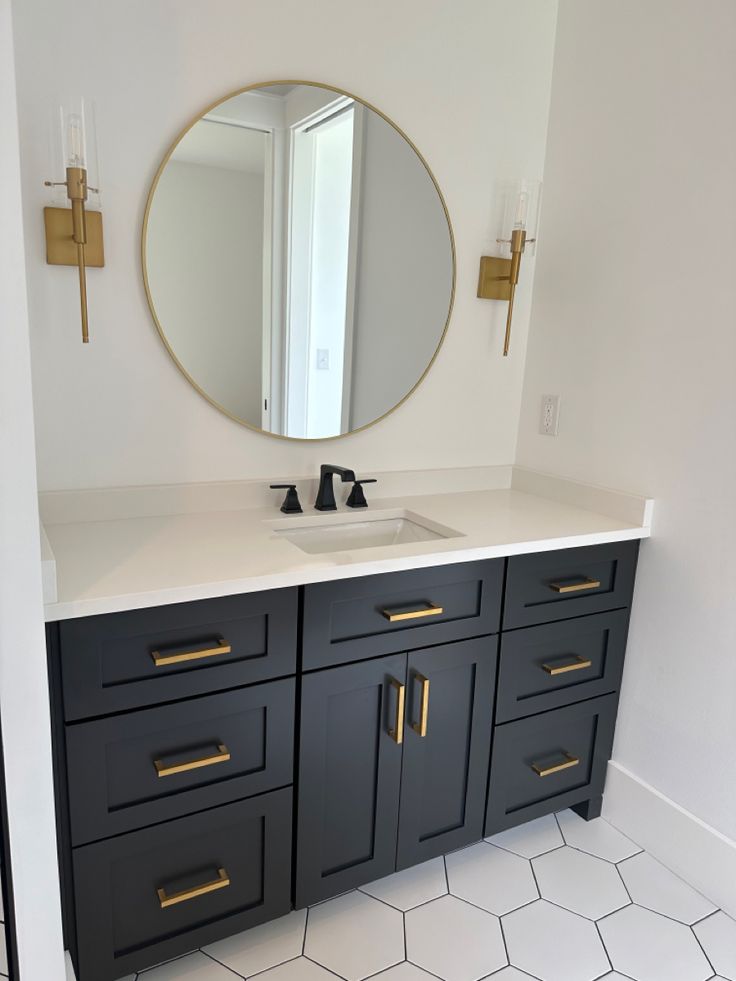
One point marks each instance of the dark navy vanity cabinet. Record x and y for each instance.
(222, 761)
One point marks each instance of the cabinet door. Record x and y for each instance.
(447, 742)
(349, 775)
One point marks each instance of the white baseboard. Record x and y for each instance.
(678, 839)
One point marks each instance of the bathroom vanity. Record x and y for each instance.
(223, 760)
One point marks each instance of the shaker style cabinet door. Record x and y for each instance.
(349, 775)
(447, 742)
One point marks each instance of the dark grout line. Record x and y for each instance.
(220, 964)
(605, 949)
(329, 969)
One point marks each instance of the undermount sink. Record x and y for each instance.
(343, 533)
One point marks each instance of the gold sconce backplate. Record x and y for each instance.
(493, 279)
(61, 249)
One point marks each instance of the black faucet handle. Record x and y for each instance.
(291, 503)
(357, 497)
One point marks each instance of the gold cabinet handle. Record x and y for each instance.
(160, 660)
(165, 899)
(546, 771)
(397, 733)
(577, 664)
(425, 610)
(421, 727)
(575, 587)
(166, 770)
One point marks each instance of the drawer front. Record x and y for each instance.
(555, 664)
(148, 896)
(549, 761)
(122, 661)
(144, 767)
(360, 618)
(571, 583)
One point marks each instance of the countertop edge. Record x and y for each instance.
(55, 611)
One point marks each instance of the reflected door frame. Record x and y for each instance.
(265, 114)
(296, 320)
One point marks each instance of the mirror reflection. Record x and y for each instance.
(298, 260)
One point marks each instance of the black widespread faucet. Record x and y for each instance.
(326, 495)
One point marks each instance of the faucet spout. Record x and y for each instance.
(326, 494)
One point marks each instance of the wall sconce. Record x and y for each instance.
(74, 235)
(499, 276)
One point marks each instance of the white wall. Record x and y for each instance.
(205, 272)
(634, 325)
(24, 705)
(118, 411)
(404, 280)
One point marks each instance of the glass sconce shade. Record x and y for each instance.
(74, 139)
(521, 201)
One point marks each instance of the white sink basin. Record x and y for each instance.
(343, 533)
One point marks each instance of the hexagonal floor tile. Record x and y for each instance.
(411, 887)
(530, 839)
(355, 936)
(300, 969)
(580, 882)
(404, 972)
(597, 837)
(552, 943)
(192, 967)
(652, 885)
(491, 878)
(647, 945)
(262, 947)
(717, 934)
(454, 941)
(510, 974)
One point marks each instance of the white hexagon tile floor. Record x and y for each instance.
(558, 899)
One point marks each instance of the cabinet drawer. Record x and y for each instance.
(226, 869)
(555, 664)
(148, 766)
(120, 661)
(571, 583)
(360, 618)
(549, 762)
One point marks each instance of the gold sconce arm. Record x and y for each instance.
(499, 277)
(74, 236)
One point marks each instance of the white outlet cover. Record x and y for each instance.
(549, 419)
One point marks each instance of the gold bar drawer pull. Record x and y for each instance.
(420, 728)
(397, 733)
(575, 587)
(167, 769)
(546, 771)
(578, 663)
(162, 658)
(416, 612)
(171, 899)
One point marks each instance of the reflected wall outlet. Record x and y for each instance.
(549, 420)
(323, 359)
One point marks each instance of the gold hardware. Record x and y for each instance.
(421, 727)
(546, 771)
(147, 286)
(221, 756)
(575, 587)
(220, 882)
(65, 248)
(397, 734)
(577, 665)
(425, 611)
(160, 660)
(498, 278)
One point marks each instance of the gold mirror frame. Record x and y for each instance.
(149, 201)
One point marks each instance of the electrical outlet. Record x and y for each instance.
(549, 420)
(323, 359)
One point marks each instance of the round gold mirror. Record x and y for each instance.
(298, 260)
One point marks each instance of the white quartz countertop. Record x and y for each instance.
(105, 566)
